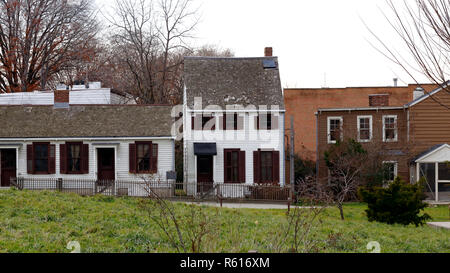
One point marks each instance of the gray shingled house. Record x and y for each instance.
(234, 121)
(98, 142)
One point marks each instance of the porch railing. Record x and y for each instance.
(169, 190)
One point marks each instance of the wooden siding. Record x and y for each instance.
(430, 122)
(350, 130)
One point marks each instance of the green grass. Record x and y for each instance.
(47, 221)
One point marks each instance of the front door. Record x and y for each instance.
(106, 164)
(205, 173)
(7, 166)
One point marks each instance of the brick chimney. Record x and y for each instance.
(379, 100)
(268, 51)
(61, 98)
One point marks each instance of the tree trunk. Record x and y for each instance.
(341, 210)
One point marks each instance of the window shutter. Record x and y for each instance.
(63, 158)
(154, 159)
(225, 166)
(256, 167)
(132, 157)
(276, 167)
(52, 159)
(224, 122)
(30, 161)
(221, 122)
(257, 122)
(85, 158)
(242, 166)
(193, 123)
(275, 121)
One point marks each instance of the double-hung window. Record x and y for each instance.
(365, 128)
(390, 129)
(335, 129)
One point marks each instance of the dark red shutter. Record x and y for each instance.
(30, 161)
(193, 123)
(52, 159)
(225, 166)
(154, 159)
(225, 122)
(132, 157)
(63, 158)
(276, 167)
(256, 167)
(257, 122)
(221, 123)
(275, 121)
(242, 166)
(85, 158)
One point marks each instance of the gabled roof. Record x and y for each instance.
(85, 121)
(422, 157)
(233, 81)
(427, 95)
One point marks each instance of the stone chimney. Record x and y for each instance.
(418, 92)
(268, 52)
(61, 98)
(379, 100)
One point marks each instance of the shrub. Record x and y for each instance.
(399, 203)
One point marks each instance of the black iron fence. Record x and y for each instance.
(158, 189)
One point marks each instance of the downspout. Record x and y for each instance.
(317, 147)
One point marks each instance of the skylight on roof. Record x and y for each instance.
(268, 64)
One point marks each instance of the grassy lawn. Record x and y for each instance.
(46, 222)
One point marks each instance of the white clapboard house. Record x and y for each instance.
(233, 121)
(85, 141)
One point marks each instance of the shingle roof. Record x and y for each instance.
(85, 121)
(232, 81)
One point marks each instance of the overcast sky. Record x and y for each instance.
(319, 42)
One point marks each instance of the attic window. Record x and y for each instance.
(269, 64)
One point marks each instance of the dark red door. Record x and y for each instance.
(106, 164)
(8, 166)
(205, 173)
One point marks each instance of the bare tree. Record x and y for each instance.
(147, 40)
(424, 28)
(38, 38)
(296, 235)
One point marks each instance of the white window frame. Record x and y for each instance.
(396, 128)
(395, 169)
(341, 122)
(370, 128)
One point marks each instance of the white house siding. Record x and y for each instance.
(95, 96)
(246, 140)
(166, 159)
(86, 96)
(29, 98)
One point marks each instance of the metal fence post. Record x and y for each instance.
(59, 184)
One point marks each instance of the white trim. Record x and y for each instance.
(358, 118)
(396, 128)
(360, 109)
(431, 153)
(341, 122)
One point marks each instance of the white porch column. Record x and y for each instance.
(417, 172)
(436, 190)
